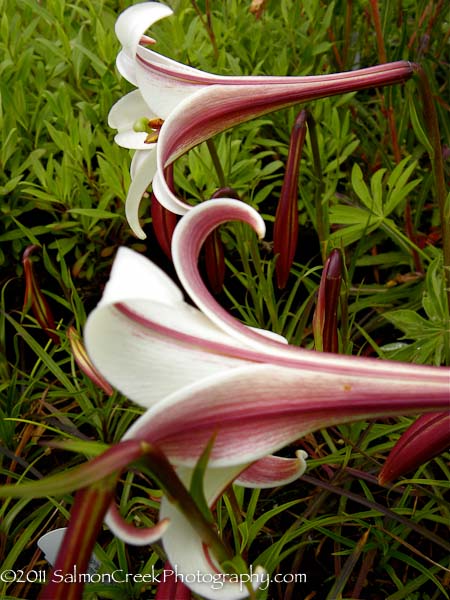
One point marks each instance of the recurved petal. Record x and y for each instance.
(126, 65)
(187, 241)
(185, 549)
(146, 341)
(134, 22)
(272, 471)
(143, 168)
(163, 82)
(426, 438)
(131, 534)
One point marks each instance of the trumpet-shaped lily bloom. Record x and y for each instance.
(196, 105)
(201, 374)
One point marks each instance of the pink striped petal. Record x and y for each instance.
(272, 471)
(254, 411)
(187, 241)
(225, 102)
(130, 534)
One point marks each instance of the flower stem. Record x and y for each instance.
(322, 223)
(86, 520)
(176, 492)
(437, 161)
(216, 163)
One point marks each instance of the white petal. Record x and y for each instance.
(163, 92)
(133, 140)
(141, 179)
(134, 22)
(185, 549)
(128, 110)
(144, 364)
(168, 199)
(126, 65)
(149, 362)
(134, 276)
(138, 162)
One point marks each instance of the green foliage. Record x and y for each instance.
(63, 183)
(430, 332)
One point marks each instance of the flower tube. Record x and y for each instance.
(196, 105)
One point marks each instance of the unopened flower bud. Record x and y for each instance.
(34, 298)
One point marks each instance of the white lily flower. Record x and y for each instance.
(200, 372)
(196, 105)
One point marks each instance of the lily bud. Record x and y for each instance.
(84, 362)
(34, 298)
(285, 233)
(426, 438)
(171, 587)
(325, 315)
(214, 255)
(164, 221)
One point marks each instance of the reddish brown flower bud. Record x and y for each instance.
(170, 587)
(426, 438)
(164, 221)
(213, 247)
(325, 315)
(84, 362)
(34, 298)
(285, 233)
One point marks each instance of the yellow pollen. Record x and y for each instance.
(152, 137)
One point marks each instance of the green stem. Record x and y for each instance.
(216, 162)
(432, 126)
(86, 518)
(92, 502)
(322, 223)
(178, 495)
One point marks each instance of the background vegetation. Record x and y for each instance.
(63, 183)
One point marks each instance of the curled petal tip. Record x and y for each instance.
(143, 168)
(273, 471)
(135, 20)
(130, 534)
